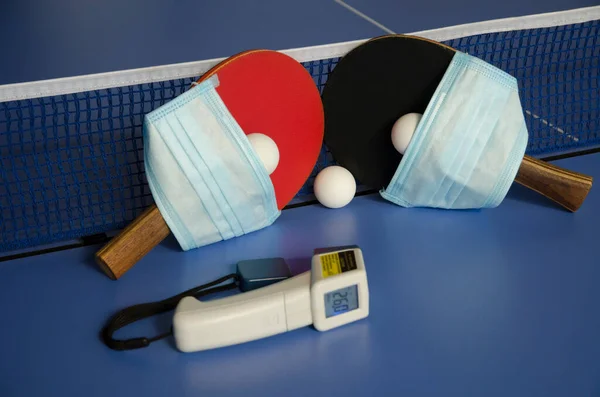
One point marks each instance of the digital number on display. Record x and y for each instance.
(341, 301)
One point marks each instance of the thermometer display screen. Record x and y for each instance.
(341, 301)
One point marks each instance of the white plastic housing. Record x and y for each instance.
(252, 315)
(322, 285)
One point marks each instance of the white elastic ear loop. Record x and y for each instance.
(214, 78)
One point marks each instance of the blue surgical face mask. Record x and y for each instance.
(204, 175)
(468, 145)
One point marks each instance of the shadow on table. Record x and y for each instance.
(519, 192)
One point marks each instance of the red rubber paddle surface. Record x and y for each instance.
(271, 93)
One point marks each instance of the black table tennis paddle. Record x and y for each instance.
(390, 76)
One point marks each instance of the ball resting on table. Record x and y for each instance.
(403, 130)
(266, 150)
(334, 187)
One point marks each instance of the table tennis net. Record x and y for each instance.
(72, 165)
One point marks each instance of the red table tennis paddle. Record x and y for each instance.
(390, 76)
(266, 92)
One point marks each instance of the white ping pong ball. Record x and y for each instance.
(266, 149)
(334, 187)
(403, 130)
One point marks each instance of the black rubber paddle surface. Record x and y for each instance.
(370, 88)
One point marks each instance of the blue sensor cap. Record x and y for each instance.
(258, 273)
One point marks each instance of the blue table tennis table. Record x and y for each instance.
(498, 302)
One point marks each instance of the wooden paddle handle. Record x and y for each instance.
(566, 188)
(135, 241)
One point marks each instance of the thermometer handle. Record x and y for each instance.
(260, 313)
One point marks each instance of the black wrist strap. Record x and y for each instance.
(138, 312)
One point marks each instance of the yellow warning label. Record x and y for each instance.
(330, 265)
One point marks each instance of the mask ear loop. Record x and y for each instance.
(138, 312)
(214, 78)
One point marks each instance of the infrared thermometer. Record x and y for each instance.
(333, 293)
